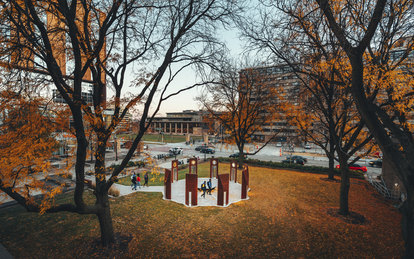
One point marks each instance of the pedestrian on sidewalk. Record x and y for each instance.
(138, 181)
(134, 181)
(204, 189)
(146, 179)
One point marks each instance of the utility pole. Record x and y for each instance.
(116, 148)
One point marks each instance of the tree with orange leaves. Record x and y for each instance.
(97, 44)
(326, 112)
(381, 33)
(26, 145)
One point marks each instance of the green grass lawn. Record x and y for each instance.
(157, 138)
(285, 217)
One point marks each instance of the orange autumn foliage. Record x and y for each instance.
(26, 144)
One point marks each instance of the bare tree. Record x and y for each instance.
(244, 102)
(102, 43)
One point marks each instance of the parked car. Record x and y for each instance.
(278, 144)
(293, 160)
(176, 150)
(199, 148)
(307, 146)
(298, 157)
(236, 155)
(208, 150)
(376, 163)
(355, 167)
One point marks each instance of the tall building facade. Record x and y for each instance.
(283, 80)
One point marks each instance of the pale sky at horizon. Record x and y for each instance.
(186, 100)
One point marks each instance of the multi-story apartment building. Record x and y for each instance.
(282, 79)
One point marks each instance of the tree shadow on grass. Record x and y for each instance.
(353, 217)
(118, 249)
(330, 180)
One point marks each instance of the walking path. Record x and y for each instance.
(4, 254)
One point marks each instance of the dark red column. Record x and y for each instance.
(233, 171)
(223, 190)
(214, 163)
(174, 169)
(245, 182)
(191, 181)
(167, 184)
(192, 166)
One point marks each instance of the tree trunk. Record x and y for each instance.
(331, 157)
(101, 193)
(407, 224)
(331, 172)
(241, 156)
(105, 219)
(344, 189)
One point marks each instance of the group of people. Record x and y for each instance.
(206, 188)
(136, 181)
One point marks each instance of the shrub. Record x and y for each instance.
(114, 191)
(302, 168)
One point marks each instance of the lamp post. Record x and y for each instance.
(116, 148)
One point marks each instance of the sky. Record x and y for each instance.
(186, 100)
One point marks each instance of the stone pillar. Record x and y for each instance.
(191, 181)
(165, 127)
(174, 169)
(188, 128)
(176, 128)
(233, 171)
(167, 184)
(193, 166)
(214, 163)
(245, 183)
(182, 128)
(205, 139)
(223, 190)
(187, 137)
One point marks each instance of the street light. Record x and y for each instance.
(116, 148)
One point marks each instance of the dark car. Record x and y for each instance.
(376, 163)
(208, 150)
(298, 157)
(292, 160)
(236, 155)
(355, 167)
(199, 148)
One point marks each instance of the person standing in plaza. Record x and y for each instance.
(203, 188)
(209, 186)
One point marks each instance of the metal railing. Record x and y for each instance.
(394, 194)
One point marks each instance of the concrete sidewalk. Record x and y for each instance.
(125, 190)
(4, 254)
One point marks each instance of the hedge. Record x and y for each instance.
(298, 167)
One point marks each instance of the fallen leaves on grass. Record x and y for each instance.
(285, 217)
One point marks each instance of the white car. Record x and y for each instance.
(307, 146)
(279, 145)
(176, 150)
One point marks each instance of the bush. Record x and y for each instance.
(114, 191)
(297, 167)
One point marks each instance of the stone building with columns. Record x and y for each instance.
(181, 123)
